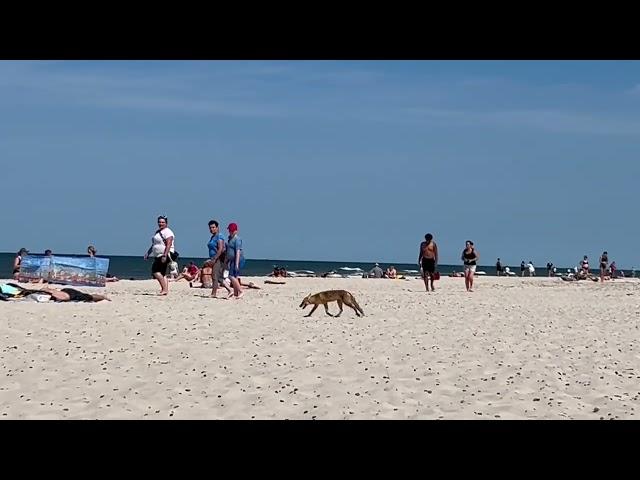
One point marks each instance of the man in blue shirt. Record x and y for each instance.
(217, 251)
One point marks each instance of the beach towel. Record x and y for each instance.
(9, 290)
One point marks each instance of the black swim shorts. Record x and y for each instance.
(428, 265)
(159, 266)
(76, 295)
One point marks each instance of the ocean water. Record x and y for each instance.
(136, 268)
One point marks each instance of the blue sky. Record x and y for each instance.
(324, 160)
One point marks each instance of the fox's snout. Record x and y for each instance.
(305, 302)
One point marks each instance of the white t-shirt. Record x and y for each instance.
(158, 244)
(531, 267)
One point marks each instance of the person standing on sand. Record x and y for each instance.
(217, 254)
(604, 263)
(498, 268)
(18, 261)
(469, 257)
(522, 268)
(584, 264)
(549, 268)
(428, 260)
(162, 246)
(234, 259)
(532, 269)
(613, 270)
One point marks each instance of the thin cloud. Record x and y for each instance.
(184, 105)
(172, 92)
(549, 120)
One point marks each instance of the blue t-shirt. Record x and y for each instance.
(234, 244)
(213, 245)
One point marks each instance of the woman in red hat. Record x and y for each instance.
(235, 259)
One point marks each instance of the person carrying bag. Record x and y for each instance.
(163, 252)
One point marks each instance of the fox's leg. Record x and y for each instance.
(350, 303)
(326, 309)
(312, 310)
(356, 307)
(340, 307)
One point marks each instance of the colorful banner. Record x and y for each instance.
(79, 271)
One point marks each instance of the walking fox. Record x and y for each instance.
(340, 296)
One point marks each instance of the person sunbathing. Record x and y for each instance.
(278, 272)
(73, 295)
(189, 273)
(205, 276)
(391, 272)
(62, 295)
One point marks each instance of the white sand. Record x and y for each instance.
(515, 348)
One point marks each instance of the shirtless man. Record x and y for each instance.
(428, 260)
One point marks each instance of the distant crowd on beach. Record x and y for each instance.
(428, 262)
(226, 260)
(608, 271)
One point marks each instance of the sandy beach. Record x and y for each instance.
(532, 348)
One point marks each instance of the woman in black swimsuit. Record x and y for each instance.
(470, 258)
(604, 263)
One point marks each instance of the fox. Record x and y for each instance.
(340, 296)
